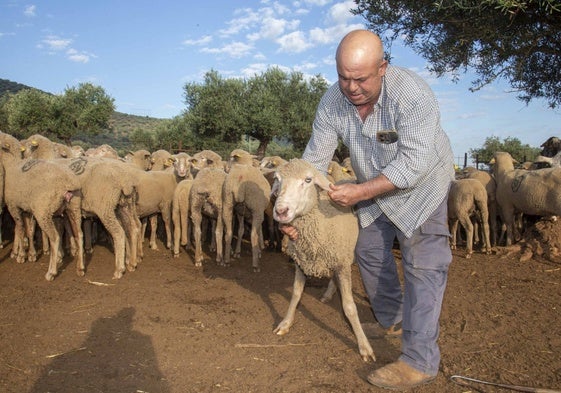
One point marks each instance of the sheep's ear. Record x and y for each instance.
(321, 181)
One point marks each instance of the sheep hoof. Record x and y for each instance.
(80, 272)
(526, 255)
(153, 246)
(176, 255)
(282, 328)
(49, 276)
(32, 257)
(468, 255)
(198, 264)
(131, 268)
(117, 275)
(256, 269)
(89, 250)
(20, 258)
(236, 255)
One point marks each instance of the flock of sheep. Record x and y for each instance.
(66, 192)
(497, 202)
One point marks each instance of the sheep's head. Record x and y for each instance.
(296, 190)
(182, 165)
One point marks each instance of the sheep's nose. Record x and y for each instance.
(281, 210)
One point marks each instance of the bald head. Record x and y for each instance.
(360, 48)
(361, 67)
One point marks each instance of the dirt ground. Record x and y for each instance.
(172, 327)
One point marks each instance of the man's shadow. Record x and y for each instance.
(113, 358)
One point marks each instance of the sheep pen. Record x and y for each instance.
(172, 327)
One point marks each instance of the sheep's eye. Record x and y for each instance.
(308, 180)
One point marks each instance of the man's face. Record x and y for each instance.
(361, 84)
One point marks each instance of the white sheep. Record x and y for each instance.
(109, 192)
(43, 189)
(105, 151)
(534, 192)
(246, 193)
(490, 185)
(205, 159)
(338, 173)
(180, 215)
(142, 159)
(466, 198)
(327, 235)
(161, 160)
(206, 200)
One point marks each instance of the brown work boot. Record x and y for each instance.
(375, 330)
(398, 376)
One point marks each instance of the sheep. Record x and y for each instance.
(348, 166)
(109, 189)
(268, 166)
(247, 193)
(44, 189)
(205, 159)
(467, 196)
(140, 158)
(179, 164)
(181, 202)
(108, 193)
(271, 162)
(161, 160)
(104, 150)
(155, 195)
(206, 199)
(338, 173)
(490, 185)
(180, 215)
(529, 192)
(326, 240)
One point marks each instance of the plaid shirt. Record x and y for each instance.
(402, 139)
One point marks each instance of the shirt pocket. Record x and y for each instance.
(384, 153)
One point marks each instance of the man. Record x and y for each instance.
(389, 119)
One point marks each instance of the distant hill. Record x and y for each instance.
(121, 125)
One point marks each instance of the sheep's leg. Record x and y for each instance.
(166, 218)
(185, 227)
(256, 223)
(177, 227)
(197, 218)
(49, 228)
(153, 229)
(241, 230)
(227, 215)
(218, 235)
(112, 225)
(30, 226)
(329, 292)
(453, 232)
(468, 226)
(131, 226)
(349, 307)
(212, 246)
(18, 249)
(74, 214)
(297, 289)
(88, 227)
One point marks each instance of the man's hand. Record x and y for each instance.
(289, 231)
(346, 194)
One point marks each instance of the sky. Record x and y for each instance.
(144, 52)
